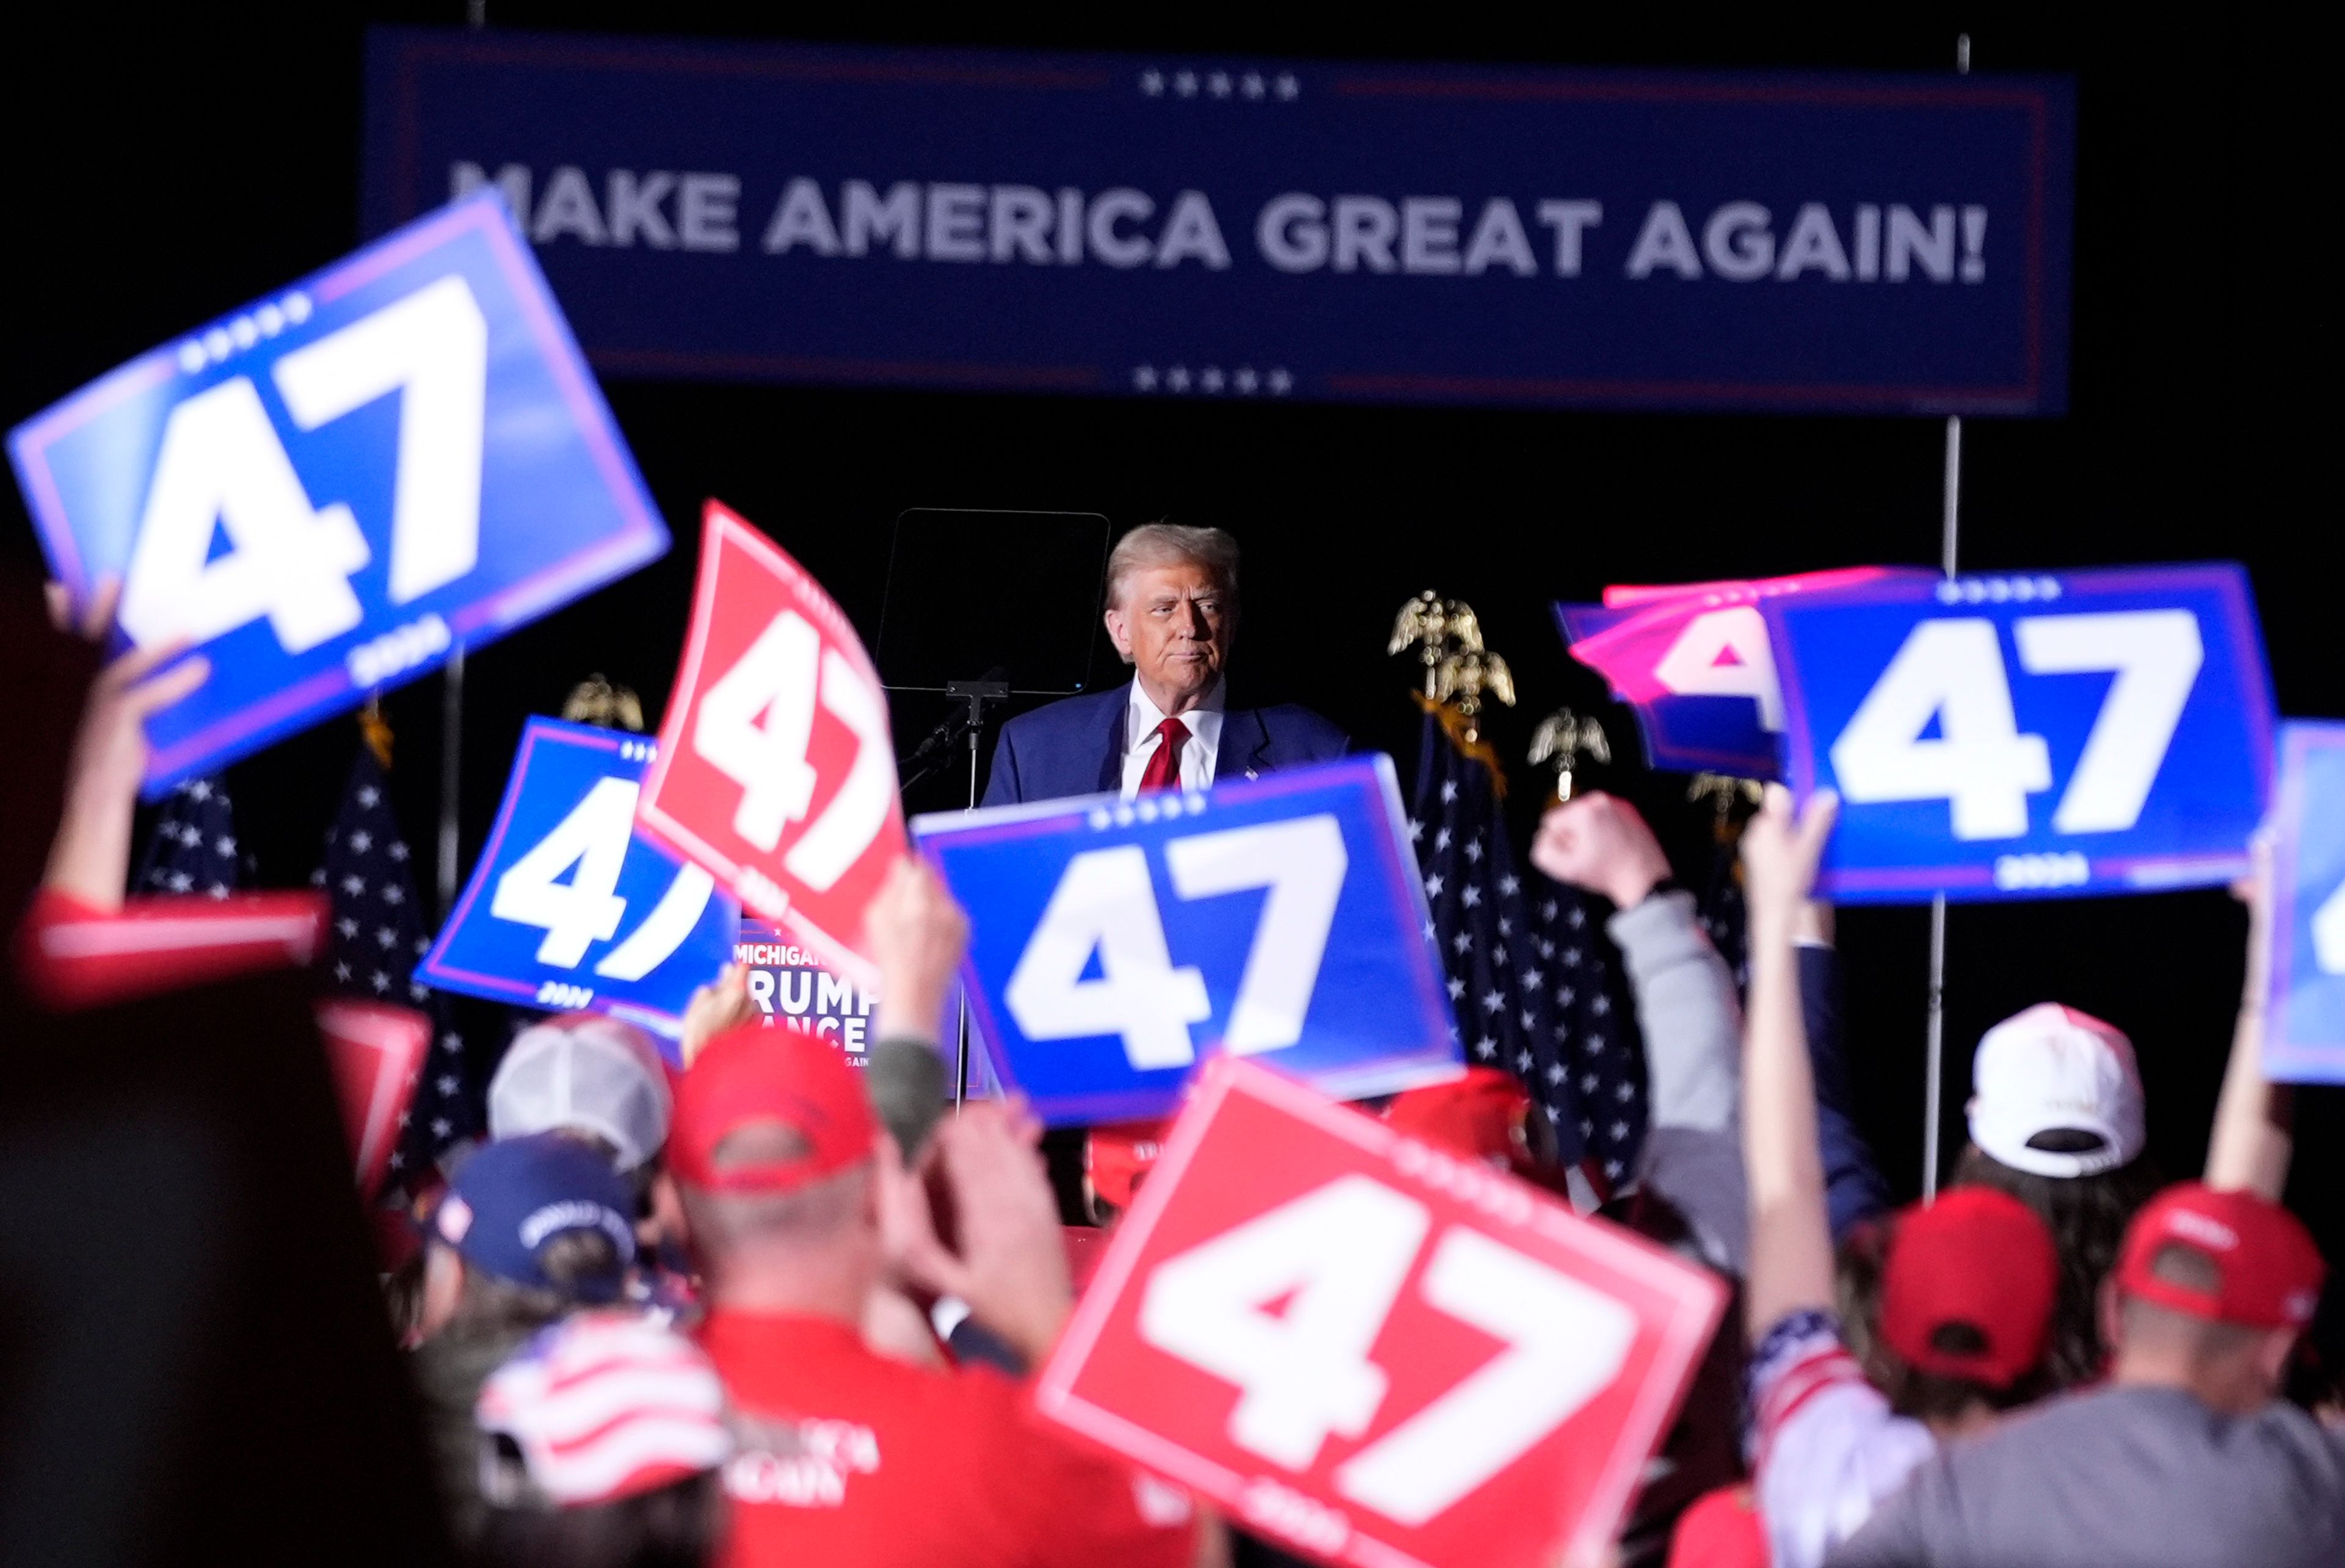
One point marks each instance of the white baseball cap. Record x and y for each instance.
(2055, 1070)
(586, 1072)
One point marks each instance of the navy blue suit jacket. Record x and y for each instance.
(1075, 746)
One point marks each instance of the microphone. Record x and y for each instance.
(905, 1079)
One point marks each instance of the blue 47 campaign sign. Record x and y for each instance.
(2029, 735)
(331, 489)
(2305, 1015)
(1115, 943)
(568, 906)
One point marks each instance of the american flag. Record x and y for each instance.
(193, 849)
(377, 935)
(1594, 1022)
(1501, 989)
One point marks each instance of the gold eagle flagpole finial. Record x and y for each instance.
(1563, 741)
(1433, 624)
(1728, 795)
(595, 701)
(1459, 670)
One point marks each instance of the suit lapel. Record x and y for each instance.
(1110, 778)
(1246, 746)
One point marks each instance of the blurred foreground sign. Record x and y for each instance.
(1693, 664)
(776, 768)
(331, 489)
(2029, 735)
(1114, 942)
(2306, 1013)
(569, 906)
(1161, 227)
(376, 1053)
(1371, 1350)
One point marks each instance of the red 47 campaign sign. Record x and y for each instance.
(1383, 1354)
(776, 768)
(376, 1052)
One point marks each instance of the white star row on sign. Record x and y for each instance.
(1254, 84)
(233, 337)
(1211, 379)
(1167, 804)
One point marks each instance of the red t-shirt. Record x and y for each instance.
(851, 1460)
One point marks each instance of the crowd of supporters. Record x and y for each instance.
(732, 1314)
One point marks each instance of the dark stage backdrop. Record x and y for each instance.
(164, 170)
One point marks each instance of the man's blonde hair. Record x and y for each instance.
(1169, 543)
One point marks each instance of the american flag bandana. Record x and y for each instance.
(606, 1405)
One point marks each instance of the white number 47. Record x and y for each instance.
(755, 726)
(587, 909)
(1105, 903)
(1337, 1258)
(222, 466)
(1950, 671)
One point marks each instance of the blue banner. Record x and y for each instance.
(331, 489)
(2029, 735)
(1114, 944)
(569, 907)
(1177, 226)
(2304, 1015)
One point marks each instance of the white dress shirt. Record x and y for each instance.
(1140, 740)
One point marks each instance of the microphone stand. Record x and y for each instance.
(925, 759)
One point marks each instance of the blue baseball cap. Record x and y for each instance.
(514, 1196)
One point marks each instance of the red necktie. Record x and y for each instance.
(1163, 770)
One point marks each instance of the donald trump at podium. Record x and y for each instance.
(1172, 613)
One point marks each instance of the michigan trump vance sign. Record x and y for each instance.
(1173, 226)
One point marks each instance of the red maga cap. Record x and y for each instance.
(754, 1077)
(2270, 1269)
(1479, 1116)
(1118, 1155)
(1976, 1256)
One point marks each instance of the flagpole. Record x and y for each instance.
(1950, 554)
(1949, 549)
(451, 689)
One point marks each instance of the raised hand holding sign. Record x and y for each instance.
(1374, 1351)
(776, 768)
